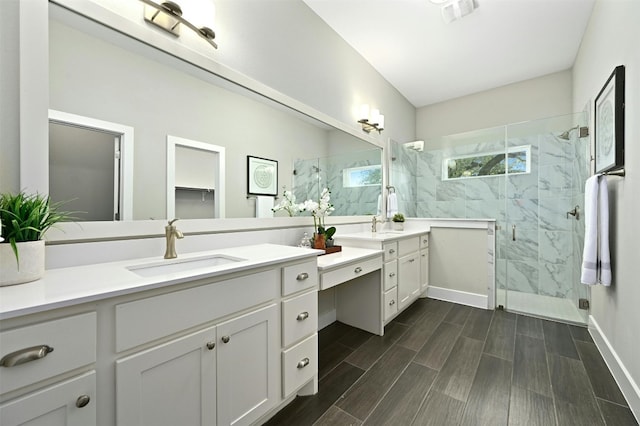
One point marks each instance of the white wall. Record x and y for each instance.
(540, 97)
(613, 38)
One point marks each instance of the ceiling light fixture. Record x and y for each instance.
(168, 16)
(373, 121)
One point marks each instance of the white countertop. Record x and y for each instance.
(72, 286)
(385, 235)
(346, 256)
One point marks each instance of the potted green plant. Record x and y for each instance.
(24, 218)
(398, 221)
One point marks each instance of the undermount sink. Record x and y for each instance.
(390, 232)
(181, 265)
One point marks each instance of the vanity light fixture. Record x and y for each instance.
(371, 121)
(168, 16)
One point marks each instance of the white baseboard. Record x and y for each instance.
(620, 373)
(457, 296)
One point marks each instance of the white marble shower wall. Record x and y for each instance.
(311, 176)
(541, 260)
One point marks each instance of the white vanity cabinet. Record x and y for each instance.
(54, 360)
(405, 267)
(227, 373)
(211, 347)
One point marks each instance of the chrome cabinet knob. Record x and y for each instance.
(392, 274)
(211, 345)
(393, 302)
(357, 270)
(303, 363)
(391, 251)
(225, 339)
(82, 401)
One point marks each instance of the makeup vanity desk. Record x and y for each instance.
(376, 275)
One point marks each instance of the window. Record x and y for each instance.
(362, 176)
(515, 161)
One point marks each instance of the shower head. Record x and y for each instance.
(584, 131)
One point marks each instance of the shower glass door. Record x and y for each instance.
(541, 232)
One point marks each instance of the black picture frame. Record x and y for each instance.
(262, 176)
(609, 123)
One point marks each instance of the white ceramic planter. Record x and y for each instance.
(398, 226)
(31, 266)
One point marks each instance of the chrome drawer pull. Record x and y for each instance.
(25, 355)
(303, 276)
(393, 302)
(303, 363)
(393, 274)
(211, 345)
(425, 241)
(357, 270)
(391, 251)
(303, 316)
(82, 401)
(225, 339)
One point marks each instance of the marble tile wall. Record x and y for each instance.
(315, 174)
(545, 258)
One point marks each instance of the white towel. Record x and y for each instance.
(379, 212)
(596, 264)
(264, 206)
(392, 205)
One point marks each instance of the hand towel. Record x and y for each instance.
(263, 206)
(392, 205)
(379, 212)
(590, 250)
(596, 258)
(603, 232)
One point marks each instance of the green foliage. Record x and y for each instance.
(329, 232)
(398, 217)
(27, 217)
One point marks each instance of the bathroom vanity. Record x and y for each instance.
(221, 337)
(405, 267)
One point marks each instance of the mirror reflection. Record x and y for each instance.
(98, 73)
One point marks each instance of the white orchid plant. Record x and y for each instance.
(320, 209)
(288, 204)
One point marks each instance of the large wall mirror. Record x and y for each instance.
(101, 74)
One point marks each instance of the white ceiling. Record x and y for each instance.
(429, 61)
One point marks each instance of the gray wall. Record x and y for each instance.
(611, 39)
(541, 97)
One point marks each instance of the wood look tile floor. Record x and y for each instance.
(445, 364)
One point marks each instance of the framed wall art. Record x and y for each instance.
(262, 176)
(609, 123)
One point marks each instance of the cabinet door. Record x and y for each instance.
(408, 279)
(69, 403)
(170, 384)
(424, 270)
(248, 366)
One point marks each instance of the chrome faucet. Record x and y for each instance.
(374, 223)
(171, 233)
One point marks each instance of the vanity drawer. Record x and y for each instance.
(408, 245)
(390, 274)
(299, 365)
(299, 277)
(390, 250)
(424, 241)
(73, 340)
(390, 303)
(299, 317)
(145, 320)
(348, 272)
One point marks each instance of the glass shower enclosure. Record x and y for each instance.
(529, 177)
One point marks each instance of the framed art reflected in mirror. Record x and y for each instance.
(609, 123)
(262, 176)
